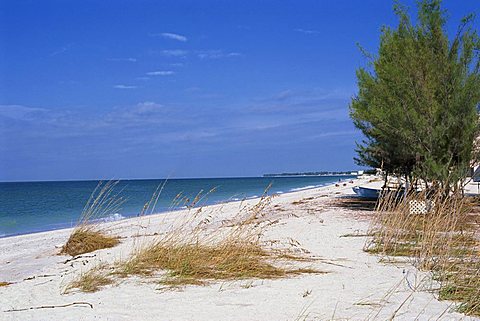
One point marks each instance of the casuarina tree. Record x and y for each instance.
(418, 97)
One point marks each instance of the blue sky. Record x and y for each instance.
(147, 89)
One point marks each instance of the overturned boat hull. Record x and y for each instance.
(365, 192)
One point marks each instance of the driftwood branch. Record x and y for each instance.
(78, 257)
(38, 276)
(51, 306)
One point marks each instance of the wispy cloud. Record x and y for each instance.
(20, 112)
(124, 87)
(123, 59)
(216, 54)
(173, 36)
(61, 50)
(283, 95)
(243, 27)
(334, 134)
(307, 31)
(58, 52)
(312, 96)
(143, 112)
(148, 107)
(174, 53)
(307, 104)
(160, 73)
(285, 117)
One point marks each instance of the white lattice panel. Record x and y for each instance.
(420, 207)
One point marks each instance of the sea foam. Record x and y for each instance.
(113, 217)
(305, 187)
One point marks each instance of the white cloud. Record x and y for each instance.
(216, 54)
(124, 87)
(335, 133)
(59, 51)
(20, 112)
(141, 112)
(160, 73)
(174, 36)
(283, 95)
(244, 27)
(148, 107)
(123, 59)
(307, 32)
(174, 53)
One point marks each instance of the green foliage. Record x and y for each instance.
(417, 99)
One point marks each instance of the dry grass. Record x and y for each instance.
(199, 263)
(198, 248)
(86, 240)
(192, 263)
(196, 253)
(445, 241)
(4, 284)
(87, 236)
(91, 281)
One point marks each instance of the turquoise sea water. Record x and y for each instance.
(27, 207)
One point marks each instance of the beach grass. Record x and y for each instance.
(86, 239)
(195, 263)
(445, 241)
(2, 283)
(195, 251)
(196, 254)
(91, 281)
(199, 263)
(88, 236)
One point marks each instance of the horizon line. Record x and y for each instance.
(152, 179)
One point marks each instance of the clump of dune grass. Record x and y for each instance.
(196, 249)
(198, 263)
(444, 240)
(88, 236)
(86, 240)
(4, 283)
(194, 253)
(91, 281)
(195, 263)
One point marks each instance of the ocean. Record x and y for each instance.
(29, 207)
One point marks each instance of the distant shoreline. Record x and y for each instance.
(313, 174)
(172, 178)
(123, 215)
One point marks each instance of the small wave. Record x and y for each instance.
(302, 188)
(113, 217)
(305, 188)
(235, 199)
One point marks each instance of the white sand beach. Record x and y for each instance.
(357, 285)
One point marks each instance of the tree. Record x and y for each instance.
(418, 97)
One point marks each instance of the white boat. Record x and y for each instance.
(366, 192)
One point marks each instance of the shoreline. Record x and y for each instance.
(255, 197)
(161, 179)
(353, 284)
